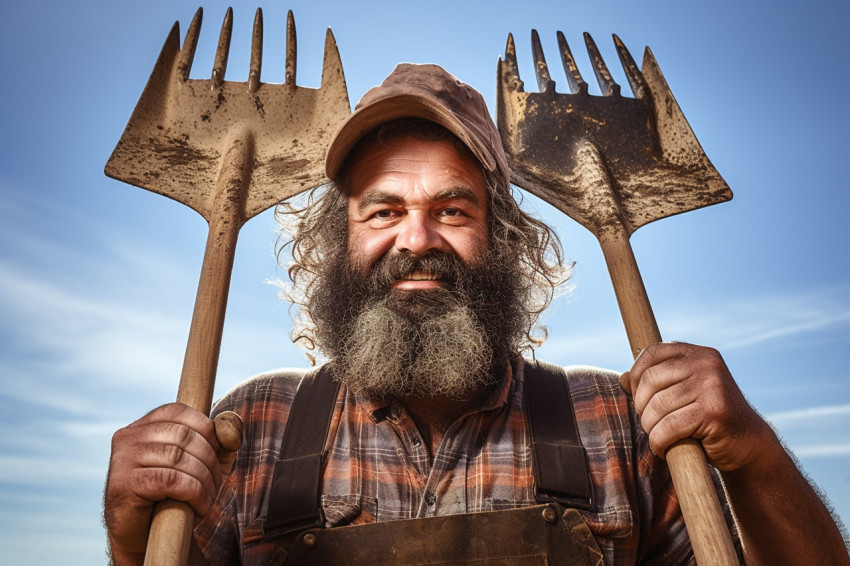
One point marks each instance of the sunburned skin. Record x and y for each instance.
(416, 196)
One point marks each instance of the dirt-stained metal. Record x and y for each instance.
(615, 164)
(229, 150)
(180, 131)
(643, 145)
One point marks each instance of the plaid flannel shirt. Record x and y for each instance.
(379, 469)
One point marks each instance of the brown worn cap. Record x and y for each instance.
(431, 93)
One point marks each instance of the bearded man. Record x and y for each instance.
(426, 437)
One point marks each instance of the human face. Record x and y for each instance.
(416, 196)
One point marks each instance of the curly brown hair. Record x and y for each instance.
(318, 236)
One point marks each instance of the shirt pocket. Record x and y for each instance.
(354, 509)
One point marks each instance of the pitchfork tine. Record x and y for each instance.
(633, 74)
(510, 68)
(544, 80)
(256, 53)
(603, 77)
(576, 82)
(333, 78)
(223, 49)
(187, 54)
(291, 49)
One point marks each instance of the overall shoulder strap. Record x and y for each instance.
(294, 497)
(560, 462)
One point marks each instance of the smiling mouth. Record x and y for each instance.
(419, 280)
(420, 276)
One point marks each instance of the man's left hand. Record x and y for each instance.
(682, 390)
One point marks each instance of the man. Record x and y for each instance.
(420, 279)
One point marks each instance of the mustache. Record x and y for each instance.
(447, 267)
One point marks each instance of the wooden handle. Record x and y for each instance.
(710, 538)
(171, 528)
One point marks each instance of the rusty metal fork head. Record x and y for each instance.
(179, 134)
(643, 145)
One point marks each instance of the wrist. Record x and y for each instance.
(767, 457)
(121, 557)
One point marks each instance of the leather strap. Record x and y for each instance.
(560, 462)
(297, 480)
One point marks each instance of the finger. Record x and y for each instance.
(658, 378)
(228, 430)
(184, 438)
(179, 413)
(657, 353)
(666, 402)
(681, 423)
(625, 382)
(156, 484)
(130, 446)
(169, 456)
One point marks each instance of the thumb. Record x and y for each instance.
(228, 432)
(626, 383)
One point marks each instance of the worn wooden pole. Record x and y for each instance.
(171, 528)
(710, 538)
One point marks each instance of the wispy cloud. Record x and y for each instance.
(747, 321)
(823, 451)
(817, 323)
(64, 336)
(790, 418)
(817, 314)
(815, 432)
(103, 319)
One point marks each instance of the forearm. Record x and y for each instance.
(119, 557)
(781, 517)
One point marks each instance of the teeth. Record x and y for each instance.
(421, 276)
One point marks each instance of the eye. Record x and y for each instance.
(385, 214)
(453, 215)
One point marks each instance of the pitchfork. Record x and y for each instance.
(229, 150)
(614, 164)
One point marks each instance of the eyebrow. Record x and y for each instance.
(372, 198)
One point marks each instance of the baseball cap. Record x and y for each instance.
(431, 93)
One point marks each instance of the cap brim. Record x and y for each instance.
(380, 112)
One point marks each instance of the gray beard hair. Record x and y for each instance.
(442, 353)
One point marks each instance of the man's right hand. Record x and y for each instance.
(172, 452)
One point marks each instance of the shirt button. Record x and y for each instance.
(395, 412)
(430, 498)
(416, 442)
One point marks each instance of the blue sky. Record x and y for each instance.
(97, 278)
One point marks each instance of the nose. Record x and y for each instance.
(417, 234)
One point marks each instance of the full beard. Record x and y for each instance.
(443, 342)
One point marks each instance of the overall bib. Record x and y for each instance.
(550, 533)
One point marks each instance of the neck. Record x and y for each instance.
(435, 415)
